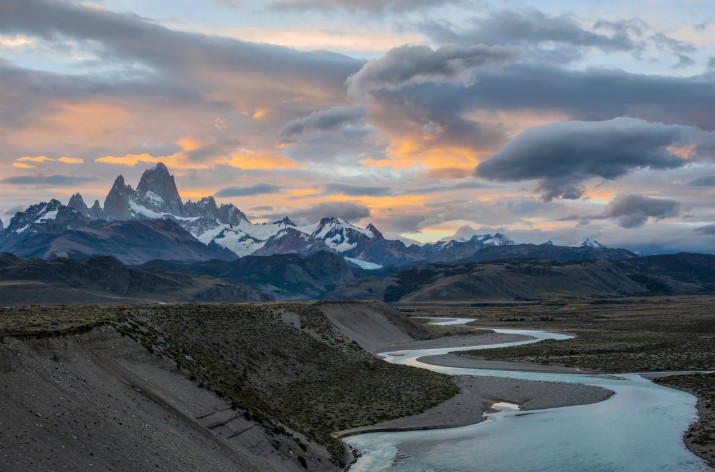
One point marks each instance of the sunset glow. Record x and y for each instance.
(428, 116)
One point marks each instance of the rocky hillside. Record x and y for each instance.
(203, 387)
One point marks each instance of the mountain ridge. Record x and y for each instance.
(227, 233)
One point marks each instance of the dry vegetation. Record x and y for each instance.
(302, 376)
(621, 335)
(700, 438)
(618, 335)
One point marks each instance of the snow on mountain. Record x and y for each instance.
(467, 233)
(156, 198)
(340, 235)
(364, 264)
(588, 242)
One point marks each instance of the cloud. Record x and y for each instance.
(590, 94)
(531, 29)
(22, 162)
(324, 120)
(258, 189)
(163, 83)
(557, 38)
(563, 155)
(48, 180)
(348, 211)
(633, 210)
(702, 181)
(367, 6)
(410, 65)
(130, 160)
(708, 229)
(357, 190)
(12, 211)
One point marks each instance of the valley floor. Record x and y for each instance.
(268, 387)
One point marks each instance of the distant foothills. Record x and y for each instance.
(152, 222)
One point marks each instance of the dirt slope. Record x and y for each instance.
(99, 401)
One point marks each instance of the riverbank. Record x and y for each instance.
(700, 437)
(478, 394)
(618, 335)
(459, 361)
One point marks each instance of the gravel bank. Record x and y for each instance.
(479, 393)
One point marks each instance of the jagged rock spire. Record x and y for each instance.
(116, 205)
(159, 182)
(77, 203)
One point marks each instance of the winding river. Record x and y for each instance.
(639, 429)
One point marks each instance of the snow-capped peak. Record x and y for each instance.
(588, 242)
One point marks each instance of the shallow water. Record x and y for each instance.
(640, 428)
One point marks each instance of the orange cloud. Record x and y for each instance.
(302, 192)
(130, 160)
(421, 151)
(682, 151)
(189, 144)
(63, 160)
(259, 113)
(22, 165)
(34, 159)
(600, 193)
(247, 159)
(70, 160)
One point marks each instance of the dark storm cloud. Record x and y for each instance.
(531, 27)
(324, 120)
(633, 210)
(357, 190)
(258, 189)
(562, 155)
(709, 229)
(702, 181)
(49, 180)
(348, 211)
(408, 65)
(368, 6)
(592, 94)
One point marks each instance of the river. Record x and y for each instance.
(638, 429)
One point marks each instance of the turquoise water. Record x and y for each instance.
(639, 428)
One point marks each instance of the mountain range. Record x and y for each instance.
(152, 222)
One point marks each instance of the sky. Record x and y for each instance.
(547, 120)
